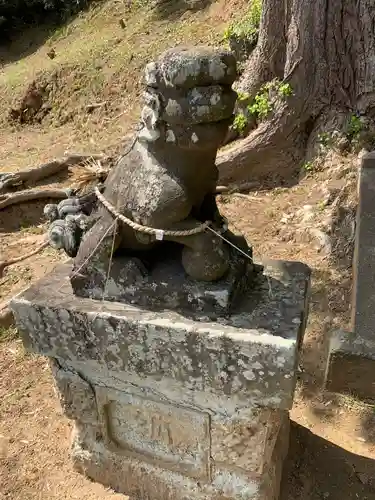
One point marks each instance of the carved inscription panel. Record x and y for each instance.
(172, 437)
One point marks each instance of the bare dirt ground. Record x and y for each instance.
(332, 454)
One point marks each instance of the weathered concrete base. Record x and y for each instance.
(171, 407)
(350, 369)
(150, 449)
(144, 481)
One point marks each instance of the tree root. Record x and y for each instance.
(32, 175)
(277, 145)
(247, 197)
(36, 194)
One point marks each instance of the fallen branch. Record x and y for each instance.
(6, 263)
(32, 175)
(233, 188)
(36, 194)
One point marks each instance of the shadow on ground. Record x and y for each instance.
(24, 42)
(21, 40)
(329, 307)
(317, 470)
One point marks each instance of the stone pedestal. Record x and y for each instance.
(351, 361)
(171, 407)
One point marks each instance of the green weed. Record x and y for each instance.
(308, 166)
(240, 122)
(262, 104)
(248, 27)
(355, 127)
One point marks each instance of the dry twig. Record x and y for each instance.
(32, 175)
(95, 105)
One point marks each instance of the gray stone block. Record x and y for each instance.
(351, 361)
(200, 105)
(364, 258)
(173, 407)
(151, 449)
(351, 366)
(252, 354)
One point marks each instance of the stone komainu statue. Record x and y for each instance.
(168, 179)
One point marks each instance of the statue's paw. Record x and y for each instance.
(65, 235)
(83, 221)
(70, 206)
(51, 212)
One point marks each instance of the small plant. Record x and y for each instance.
(308, 166)
(242, 36)
(242, 96)
(263, 102)
(240, 123)
(261, 105)
(321, 205)
(285, 90)
(355, 127)
(325, 139)
(248, 26)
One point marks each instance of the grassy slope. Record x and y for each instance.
(96, 60)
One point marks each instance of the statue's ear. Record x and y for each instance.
(151, 116)
(152, 110)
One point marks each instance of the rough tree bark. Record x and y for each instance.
(325, 49)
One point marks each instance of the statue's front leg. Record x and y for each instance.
(205, 256)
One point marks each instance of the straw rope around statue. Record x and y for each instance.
(159, 233)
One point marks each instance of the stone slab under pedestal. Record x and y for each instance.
(168, 406)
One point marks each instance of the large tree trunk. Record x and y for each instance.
(325, 49)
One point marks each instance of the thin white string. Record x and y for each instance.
(229, 243)
(270, 292)
(76, 273)
(110, 260)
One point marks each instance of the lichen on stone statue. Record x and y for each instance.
(167, 181)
